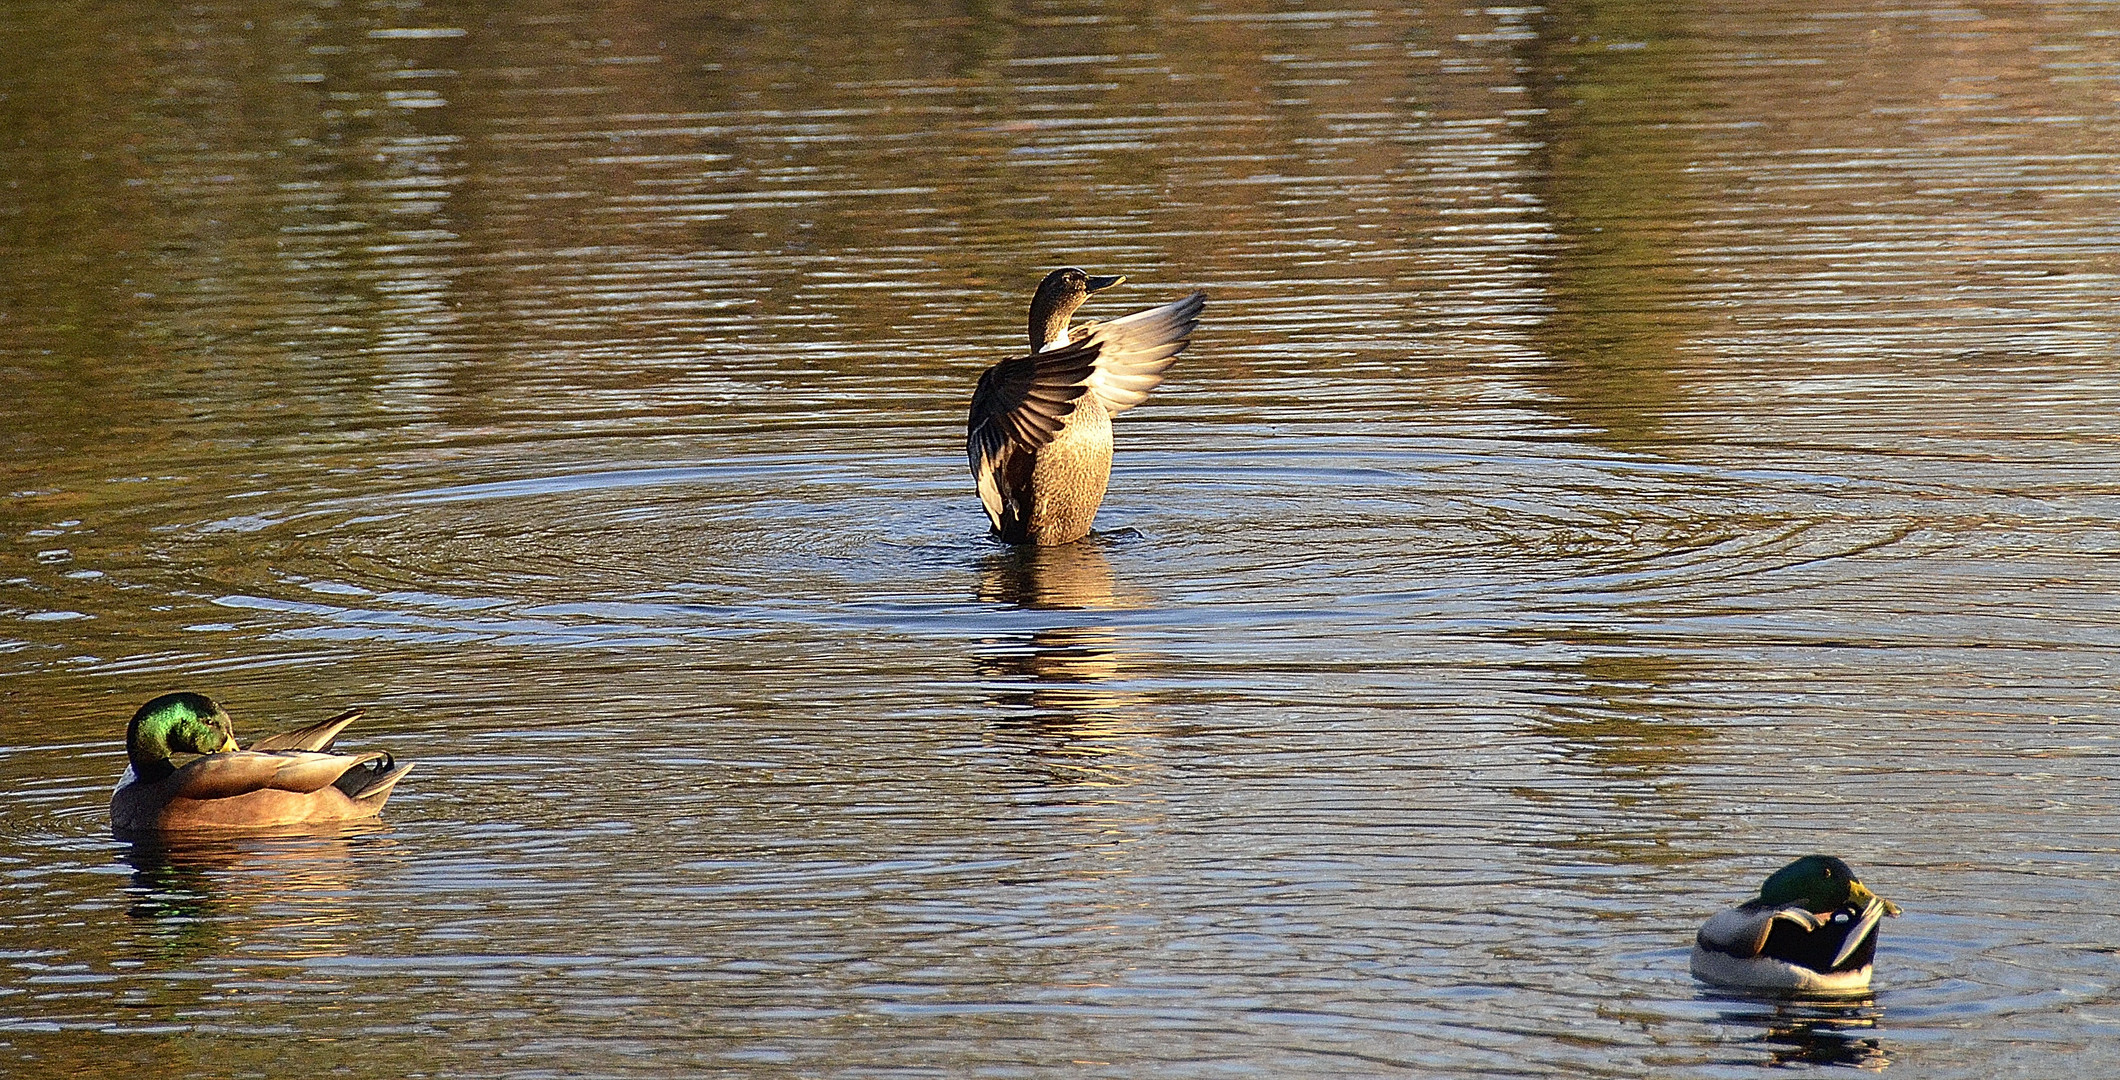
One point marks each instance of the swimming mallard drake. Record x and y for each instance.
(1812, 927)
(1040, 434)
(282, 780)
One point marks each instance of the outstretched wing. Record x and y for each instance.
(316, 736)
(1134, 352)
(1025, 400)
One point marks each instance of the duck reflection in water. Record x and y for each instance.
(1055, 687)
(192, 893)
(1807, 1031)
(1039, 437)
(1074, 577)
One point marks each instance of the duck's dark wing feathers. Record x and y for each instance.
(1843, 940)
(372, 777)
(1025, 400)
(1019, 406)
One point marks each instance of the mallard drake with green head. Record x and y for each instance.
(286, 779)
(1040, 434)
(1812, 927)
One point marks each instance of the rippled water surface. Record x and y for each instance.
(1628, 444)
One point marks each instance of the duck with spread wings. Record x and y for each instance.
(1040, 434)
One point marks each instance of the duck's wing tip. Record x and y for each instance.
(1139, 348)
(317, 736)
(1865, 923)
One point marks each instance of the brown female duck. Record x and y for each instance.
(1040, 434)
(285, 779)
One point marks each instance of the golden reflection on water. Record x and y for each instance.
(1056, 686)
(1071, 577)
(1616, 184)
(286, 890)
(1628, 714)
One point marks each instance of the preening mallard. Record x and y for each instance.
(1812, 927)
(1040, 433)
(286, 779)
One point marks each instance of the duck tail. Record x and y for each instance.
(371, 781)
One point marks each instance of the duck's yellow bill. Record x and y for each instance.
(1860, 895)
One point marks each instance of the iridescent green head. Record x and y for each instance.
(182, 723)
(1821, 883)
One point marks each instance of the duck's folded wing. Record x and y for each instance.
(1134, 352)
(1742, 931)
(316, 736)
(239, 772)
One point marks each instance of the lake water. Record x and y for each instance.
(1628, 445)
